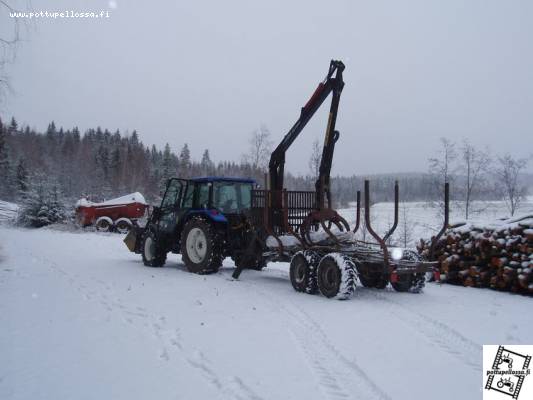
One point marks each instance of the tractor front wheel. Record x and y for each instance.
(151, 251)
(201, 249)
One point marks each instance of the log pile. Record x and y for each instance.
(499, 255)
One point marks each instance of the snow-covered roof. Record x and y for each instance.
(127, 199)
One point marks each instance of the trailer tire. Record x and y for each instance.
(377, 281)
(412, 283)
(151, 252)
(103, 224)
(200, 247)
(336, 276)
(123, 225)
(303, 270)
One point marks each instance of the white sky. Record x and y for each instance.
(210, 72)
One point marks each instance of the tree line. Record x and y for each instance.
(99, 164)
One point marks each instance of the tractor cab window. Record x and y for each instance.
(172, 195)
(203, 195)
(232, 197)
(187, 200)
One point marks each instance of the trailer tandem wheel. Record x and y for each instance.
(336, 276)
(103, 224)
(303, 271)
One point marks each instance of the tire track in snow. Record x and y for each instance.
(338, 377)
(443, 336)
(233, 387)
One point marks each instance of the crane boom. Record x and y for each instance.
(333, 83)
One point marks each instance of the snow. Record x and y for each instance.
(8, 211)
(424, 221)
(127, 199)
(316, 237)
(82, 318)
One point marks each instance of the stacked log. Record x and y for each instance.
(498, 255)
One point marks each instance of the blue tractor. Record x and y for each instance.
(203, 219)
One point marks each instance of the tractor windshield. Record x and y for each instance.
(232, 197)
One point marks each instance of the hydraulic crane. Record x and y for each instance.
(332, 83)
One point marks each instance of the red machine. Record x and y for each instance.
(116, 214)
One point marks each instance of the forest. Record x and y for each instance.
(64, 165)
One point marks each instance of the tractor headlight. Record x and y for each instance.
(396, 254)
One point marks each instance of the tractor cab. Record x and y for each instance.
(220, 200)
(201, 218)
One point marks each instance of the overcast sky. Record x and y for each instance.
(210, 72)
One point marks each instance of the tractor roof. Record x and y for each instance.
(222, 179)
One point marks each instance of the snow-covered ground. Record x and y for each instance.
(82, 318)
(424, 221)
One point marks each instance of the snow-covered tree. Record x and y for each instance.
(43, 204)
(22, 178)
(509, 185)
(474, 166)
(206, 164)
(260, 147)
(442, 169)
(5, 166)
(167, 167)
(184, 165)
(406, 228)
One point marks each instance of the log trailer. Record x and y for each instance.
(210, 218)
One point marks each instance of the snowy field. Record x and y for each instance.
(82, 318)
(424, 221)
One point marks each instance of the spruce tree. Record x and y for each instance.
(5, 167)
(22, 178)
(166, 166)
(185, 161)
(206, 164)
(13, 127)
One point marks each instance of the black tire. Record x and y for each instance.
(413, 283)
(103, 224)
(123, 225)
(374, 281)
(367, 281)
(303, 271)
(151, 251)
(336, 276)
(200, 247)
(381, 282)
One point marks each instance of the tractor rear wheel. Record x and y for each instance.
(303, 271)
(152, 254)
(200, 247)
(336, 276)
